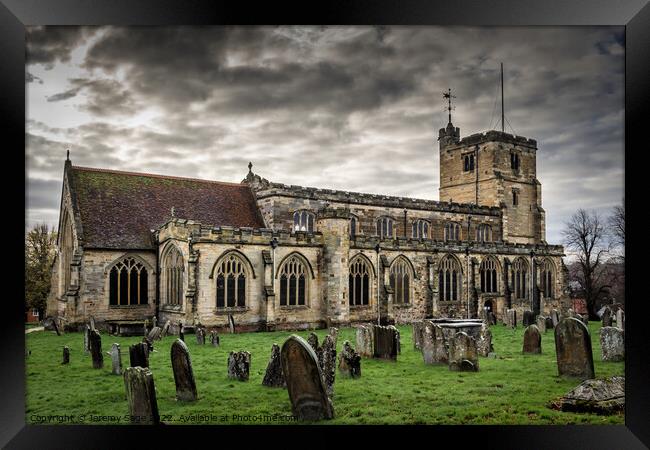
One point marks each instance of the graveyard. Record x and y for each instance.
(509, 387)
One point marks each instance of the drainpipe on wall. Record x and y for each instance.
(468, 279)
(405, 222)
(274, 244)
(476, 167)
(532, 281)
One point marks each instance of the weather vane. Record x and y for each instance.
(448, 96)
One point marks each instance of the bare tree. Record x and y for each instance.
(617, 228)
(586, 237)
(40, 249)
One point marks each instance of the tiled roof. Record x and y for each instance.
(119, 209)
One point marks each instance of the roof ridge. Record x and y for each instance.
(155, 175)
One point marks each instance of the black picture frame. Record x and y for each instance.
(16, 14)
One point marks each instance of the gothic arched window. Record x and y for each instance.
(452, 231)
(546, 282)
(420, 229)
(514, 161)
(520, 278)
(172, 277)
(488, 270)
(359, 282)
(231, 282)
(385, 227)
(449, 279)
(303, 221)
(484, 233)
(400, 280)
(128, 283)
(293, 282)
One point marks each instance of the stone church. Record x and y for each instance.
(133, 245)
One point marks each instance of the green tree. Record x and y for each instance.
(40, 250)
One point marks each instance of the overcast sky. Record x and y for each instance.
(351, 108)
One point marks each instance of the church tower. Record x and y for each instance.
(494, 169)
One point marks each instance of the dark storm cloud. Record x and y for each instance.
(50, 44)
(352, 108)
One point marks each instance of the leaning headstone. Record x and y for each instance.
(529, 318)
(214, 339)
(607, 317)
(239, 364)
(274, 376)
(87, 339)
(200, 336)
(397, 337)
(612, 344)
(484, 342)
(155, 334)
(141, 396)
(328, 364)
(386, 342)
(573, 349)
(183, 374)
(596, 396)
(620, 319)
(418, 329)
(165, 329)
(365, 341)
(139, 355)
(231, 323)
(96, 349)
(532, 340)
(66, 355)
(555, 317)
(541, 324)
(307, 392)
(463, 355)
(349, 362)
(116, 359)
(57, 326)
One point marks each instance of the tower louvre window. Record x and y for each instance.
(468, 163)
(514, 161)
(515, 198)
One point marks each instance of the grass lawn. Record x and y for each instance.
(511, 389)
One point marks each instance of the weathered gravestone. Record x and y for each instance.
(181, 333)
(139, 355)
(328, 364)
(154, 321)
(433, 344)
(274, 376)
(66, 355)
(116, 359)
(214, 339)
(365, 341)
(511, 314)
(612, 344)
(200, 336)
(548, 323)
(607, 317)
(418, 329)
(386, 342)
(183, 374)
(555, 317)
(145, 340)
(141, 396)
(239, 364)
(605, 396)
(155, 334)
(484, 342)
(349, 362)
(541, 324)
(231, 323)
(87, 339)
(92, 323)
(312, 340)
(463, 355)
(307, 392)
(397, 337)
(334, 332)
(573, 349)
(57, 326)
(165, 329)
(529, 318)
(96, 349)
(620, 319)
(532, 340)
